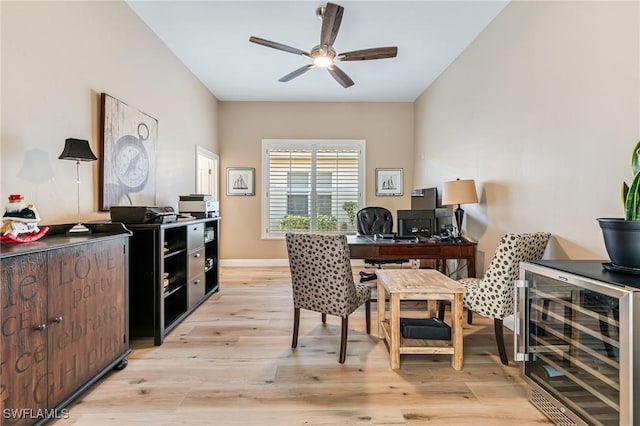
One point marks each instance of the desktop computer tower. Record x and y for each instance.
(424, 199)
(424, 217)
(443, 220)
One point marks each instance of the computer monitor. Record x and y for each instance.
(410, 222)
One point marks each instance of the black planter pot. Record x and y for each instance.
(622, 241)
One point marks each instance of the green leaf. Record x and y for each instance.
(624, 193)
(632, 205)
(635, 159)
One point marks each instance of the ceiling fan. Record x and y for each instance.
(324, 55)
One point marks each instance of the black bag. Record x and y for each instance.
(425, 328)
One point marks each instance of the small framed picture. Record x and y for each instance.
(389, 182)
(241, 181)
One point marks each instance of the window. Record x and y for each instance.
(311, 185)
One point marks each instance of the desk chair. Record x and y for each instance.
(371, 221)
(374, 220)
(492, 296)
(323, 281)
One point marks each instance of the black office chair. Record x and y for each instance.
(374, 220)
(371, 221)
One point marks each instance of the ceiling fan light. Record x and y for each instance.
(322, 61)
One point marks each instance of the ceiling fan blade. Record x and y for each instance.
(296, 73)
(278, 46)
(330, 24)
(366, 54)
(340, 76)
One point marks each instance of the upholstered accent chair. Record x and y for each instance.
(322, 281)
(492, 295)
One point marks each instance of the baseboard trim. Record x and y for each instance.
(268, 262)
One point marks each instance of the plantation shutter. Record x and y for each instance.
(289, 187)
(312, 187)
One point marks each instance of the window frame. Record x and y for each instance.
(306, 144)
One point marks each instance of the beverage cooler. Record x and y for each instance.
(575, 332)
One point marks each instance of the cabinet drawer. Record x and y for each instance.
(196, 263)
(195, 290)
(195, 236)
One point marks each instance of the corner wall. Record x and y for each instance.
(542, 110)
(57, 57)
(387, 129)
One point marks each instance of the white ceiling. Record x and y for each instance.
(212, 39)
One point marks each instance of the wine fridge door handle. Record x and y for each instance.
(521, 329)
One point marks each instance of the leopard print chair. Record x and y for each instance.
(492, 296)
(323, 281)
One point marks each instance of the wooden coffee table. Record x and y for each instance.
(418, 284)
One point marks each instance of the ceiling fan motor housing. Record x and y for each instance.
(326, 51)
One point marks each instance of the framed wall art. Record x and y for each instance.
(241, 180)
(389, 182)
(128, 155)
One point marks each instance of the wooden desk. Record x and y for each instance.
(418, 284)
(367, 247)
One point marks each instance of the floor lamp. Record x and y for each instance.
(459, 192)
(78, 150)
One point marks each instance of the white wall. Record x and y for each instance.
(56, 59)
(543, 110)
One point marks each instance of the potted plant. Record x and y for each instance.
(350, 207)
(622, 236)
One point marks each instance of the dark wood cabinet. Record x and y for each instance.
(174, 268)
(63, 319)
(23, 382)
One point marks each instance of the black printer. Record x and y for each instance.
(142, 214)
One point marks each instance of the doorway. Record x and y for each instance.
(207, 172)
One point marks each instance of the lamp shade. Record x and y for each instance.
(77, 149)
(459, 192)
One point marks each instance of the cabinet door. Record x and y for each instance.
(87, 313)
(578, 345)
(23, 356)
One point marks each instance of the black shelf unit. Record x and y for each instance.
(173, 269)
(211, 248)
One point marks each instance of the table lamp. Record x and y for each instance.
(78, 150)
(459, 192)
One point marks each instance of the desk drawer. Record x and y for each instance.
(361, 251)
(196, 290)
(418, 250)
(195, 236)
(457, 251)
(196, 263)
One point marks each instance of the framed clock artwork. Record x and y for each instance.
(128, 155)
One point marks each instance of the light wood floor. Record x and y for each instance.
(231, 363)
